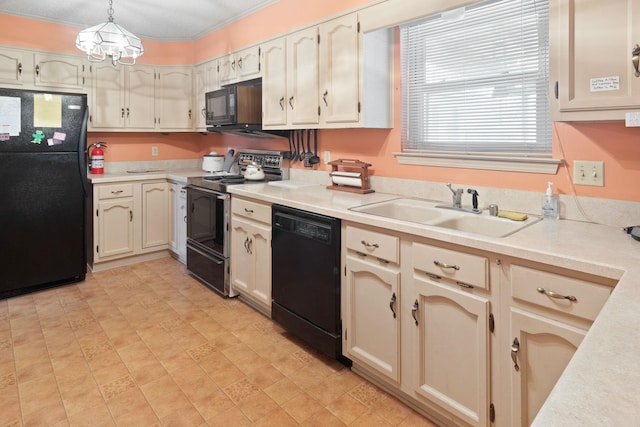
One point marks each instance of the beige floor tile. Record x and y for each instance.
(346, 408)
(283, 390)
(324, 418)
(302, 407)
(231, 417)
(257, 405)
(276, 418)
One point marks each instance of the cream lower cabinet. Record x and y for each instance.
(130, 219)
(549, 313)
(251, 252)
(371, 301)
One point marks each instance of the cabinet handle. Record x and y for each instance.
(369, 245)
(249, 246)
(552, 294)
(414, 311)
(204, 112)
(185, 219)
(233, 65)
(240, 63)
(282, 103)
(130, 216)
(445, 265)
(324, 98)
(246, 244)
(116, 191)
(122, 112)
(249, 211)
(19, 68)
(128, 112)
(38, 70)
(635, 59)
(392, 304)
(291, 102)
(515, 347)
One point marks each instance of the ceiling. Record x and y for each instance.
(161, 20)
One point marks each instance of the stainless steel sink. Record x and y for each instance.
(428, 213)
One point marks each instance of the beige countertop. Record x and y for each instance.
(145, 174)
(601, 385)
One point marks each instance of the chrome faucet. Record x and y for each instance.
(457, 196)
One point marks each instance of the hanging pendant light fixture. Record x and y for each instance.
(110, 40)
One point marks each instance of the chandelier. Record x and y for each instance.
(110, 40)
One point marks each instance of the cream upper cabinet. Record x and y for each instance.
(205, 79)
(16, 67)
(274, 83)
(240, 66)
(174, 98)
(251, 252)
(371, 301)
(592, 71)
(339, 73)
(107, 97)
(302, 79)
(54, 71)
(139, 97)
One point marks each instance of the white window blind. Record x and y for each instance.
(475, 80)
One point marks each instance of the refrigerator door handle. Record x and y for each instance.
(82, 151)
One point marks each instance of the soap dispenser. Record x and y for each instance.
(550, 204)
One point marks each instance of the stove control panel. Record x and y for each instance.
(266, 159)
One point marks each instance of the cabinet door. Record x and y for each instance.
(542, 351)
(181, 224)
(340, 67)
(59, 71)
(140, 97)
(114, 228)
(205, 79)
(227, 69)
(451, 334)
(593, 51)
(303, 78)
(14, 66)
(248, 63)
(155, 215)
(260, 248)
(107, 97)
(175, 98)
(373, 324)
(240, 258)
(274, 83)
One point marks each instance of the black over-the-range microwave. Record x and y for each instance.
(235, 105)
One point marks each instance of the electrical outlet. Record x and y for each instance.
(588, 173)
(327, 156)
(154, 151)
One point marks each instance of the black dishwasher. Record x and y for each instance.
(306, 277)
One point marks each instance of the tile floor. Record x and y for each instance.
(148, 345)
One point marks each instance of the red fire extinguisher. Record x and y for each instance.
(96, 156)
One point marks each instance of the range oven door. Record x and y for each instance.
(207, 220)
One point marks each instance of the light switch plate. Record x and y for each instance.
(588, 173)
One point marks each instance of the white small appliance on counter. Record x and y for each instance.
(213, 162)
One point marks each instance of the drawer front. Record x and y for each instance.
(115, 191)
(457, 266)
(369, 242)
(256, 211)
(557, 292)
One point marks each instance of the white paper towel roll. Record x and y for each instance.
(348, 181)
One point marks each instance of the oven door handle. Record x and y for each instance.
(212, 257)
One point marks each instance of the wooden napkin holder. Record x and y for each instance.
(350, 175)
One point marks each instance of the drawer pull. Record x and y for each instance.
(414, 311)
(392, 304)
(249, 211)
(464, 285)
(552, 294)
(515, 347)
(370, 245)
(444, 265)
(116, 191)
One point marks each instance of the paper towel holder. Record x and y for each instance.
(350, 175)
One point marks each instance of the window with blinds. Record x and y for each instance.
(475, 80)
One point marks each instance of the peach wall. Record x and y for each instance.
(612, 142)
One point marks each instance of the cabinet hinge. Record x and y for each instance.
(345, 334)
(97, 212)
(556, 89)
(492, 413)
(345, 271)
(358, 26)
(90, 118)
(358, 107)
(318, 38)
(492, 322)
(98, 249)
(318, 110)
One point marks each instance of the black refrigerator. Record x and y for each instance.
(43, 190)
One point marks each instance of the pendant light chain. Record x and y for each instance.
(110, 11)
